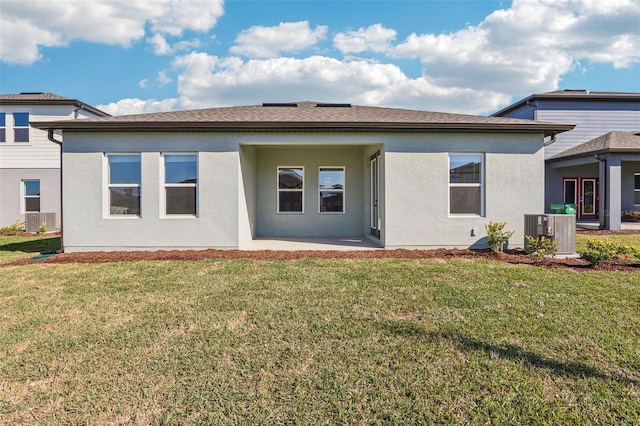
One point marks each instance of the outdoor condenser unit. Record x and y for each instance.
(33, 221)
(558, 227)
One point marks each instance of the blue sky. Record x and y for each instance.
(469, 56)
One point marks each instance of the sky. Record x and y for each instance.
(463, 56)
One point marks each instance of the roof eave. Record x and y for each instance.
(563, 97)
(71, 102)
(547, 128)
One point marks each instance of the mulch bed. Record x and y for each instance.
(510, 256)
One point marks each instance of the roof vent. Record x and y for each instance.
(575, 90)
(32, 93)
(328, 105)
(279, 104)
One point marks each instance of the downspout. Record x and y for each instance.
(602, 193)
(59, 143)
(550, 141)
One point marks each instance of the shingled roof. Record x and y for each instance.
(305, 116)
(45, 98)
(610, 142)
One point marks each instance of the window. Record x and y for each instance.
(636, 190)
(180, 184)
(331, 189)
(466, 184)
(124, 184)
(3, 126)
(290, 189)
(21, 126)
(31, 190)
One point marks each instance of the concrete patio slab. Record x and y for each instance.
(318, 243)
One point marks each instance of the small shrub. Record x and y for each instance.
(15, 228)
(497, 236)
(599, 251)
(42, 229)
(541, 247)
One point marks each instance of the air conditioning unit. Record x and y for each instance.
(33, 221)
(557, 227)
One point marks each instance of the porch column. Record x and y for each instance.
(602, 193)
(613, 200)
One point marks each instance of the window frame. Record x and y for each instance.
(21, 128)
(24, 196)
(108, 185)
(3, 127)
(342, 190)
(481, 184)
(164, 185)
(636, 189)
(280, 190)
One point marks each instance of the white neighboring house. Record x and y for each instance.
(29, 161)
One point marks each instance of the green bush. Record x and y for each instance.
(599, 251)
(541, 247)
(497, 236)
(15, 228)
(42, 229)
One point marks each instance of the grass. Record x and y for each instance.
(317, 341)
(18, 247)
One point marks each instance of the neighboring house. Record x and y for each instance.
(221, 177)
(29, 161)
(602, 188)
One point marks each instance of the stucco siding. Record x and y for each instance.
(11, 194)
(87, 225)
(417, 169)
(629, 169)
(311, 223)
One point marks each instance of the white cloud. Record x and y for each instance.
(374, 38)
(268, 42)
(143, 83)
(160, 46)
(139, 106)
(530, 46)
(209, 81)
(163, 79)
(25, 26)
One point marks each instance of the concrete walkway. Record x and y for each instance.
(295, 244)
(624, 226)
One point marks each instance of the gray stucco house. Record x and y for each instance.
(29, 161)
(222, 177)
(602, 187)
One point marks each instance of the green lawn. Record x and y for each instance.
(317, 341)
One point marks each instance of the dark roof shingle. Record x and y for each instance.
(609, 142)
(305, 115)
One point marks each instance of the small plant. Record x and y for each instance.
(599, 251)
(541, 247)
(42, 229)
(497, 236)
(15, 228)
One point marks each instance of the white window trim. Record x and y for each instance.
(634, 188)
(4, 127)
(278, 189)
(343, 190)
(27, 128)
(481, 185)
(24, 196)
(164, 185)
(106, 202)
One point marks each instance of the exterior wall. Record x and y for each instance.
(525, 112)
(37, 159)
(417, 196)
(86, 225)
(629, 169)
(554, 180)
(11, 194)
(237, 188)
(592, 119)
(311, 223)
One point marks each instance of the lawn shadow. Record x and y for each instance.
(411, 329)
(39, 245)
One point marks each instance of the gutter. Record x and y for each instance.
(59, 143)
